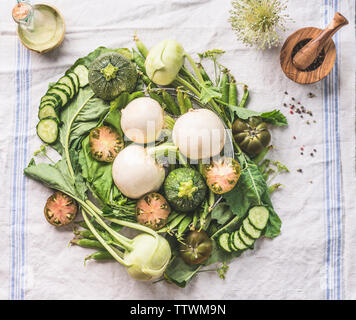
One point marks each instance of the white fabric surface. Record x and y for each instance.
(35, 261)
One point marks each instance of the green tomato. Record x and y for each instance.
(252, 136)
(197, 247)
(164, 61)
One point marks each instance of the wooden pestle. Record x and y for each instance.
(306, 55)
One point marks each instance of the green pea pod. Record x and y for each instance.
(87, 243)
(87, 234)
(172, 216)
(100, 255)
(158, 98)
(194, 223)
(175, 222)
(187, 102)
(244, 97)
(169, 122)
(203, 73)
(141, 47)
(233, 93)
(139, 61)
(119, 102)
(170, 102)
(82, 224)
(134, 95)
(184, 224)
(181, 102)
(224, 88)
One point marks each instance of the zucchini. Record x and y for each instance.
(60, 96)
(69, 82)
(250, 230)
(239, 245)
(47, 129)
(75, 80)
(46, 112)
(245, 238)
(223, 241)
(82, 72)
(258, 217)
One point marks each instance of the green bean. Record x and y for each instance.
(141, 47)
(224, 88)
(233, 93)
(87, 243)
(244, 97)
(139, 61)
(100, 255)
(187, 102)
(170, 103)
(134, 95)
(181, 102)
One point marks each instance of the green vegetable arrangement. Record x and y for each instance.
(116, 174)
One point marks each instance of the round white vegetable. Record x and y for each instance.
(136, 173)
(199, 134)
(142, 120)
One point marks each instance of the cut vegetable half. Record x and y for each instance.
(47, 130)
(75, 80)
(60, 209)
(223, 241)
(61, 96)
(239, 245)
(250, 230)
(105, 143)
(68, 81)
(245, 238)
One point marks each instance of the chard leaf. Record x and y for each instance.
(222, 213)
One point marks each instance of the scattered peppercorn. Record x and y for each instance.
(312, 154)
(285, 92)
(314, 150)
(300, 170)
(311, 95)
(294, 137)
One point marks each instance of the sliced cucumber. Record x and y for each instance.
(64, 88)
(47, 129)
(231, 242)
(245, 238)
(250, 230)
(258, 217)
(61, 97)
(48, 98)
(237, 241)
(49, 102)
(75, 80)
(224, 241)
(68, 81)
(82, 72)
(46, 112)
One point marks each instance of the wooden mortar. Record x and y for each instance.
(316, 57)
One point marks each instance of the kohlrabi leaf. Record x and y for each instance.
(222, 213)
(208, 93)
(274, 117)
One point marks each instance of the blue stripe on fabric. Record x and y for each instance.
(333, 176)
(18, 195)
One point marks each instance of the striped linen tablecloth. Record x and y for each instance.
(313, 258)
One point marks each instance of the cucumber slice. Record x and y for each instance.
(245, 238)
(61, 97)
(75, 80)
(48, 102)
(64, 88)
(48, 98)
(223, 241)
(250, 230)
(82, 72)
(237, 241)
(231, 242)
(258, 217)
(47, 112)
(68, 81)
(47, 130)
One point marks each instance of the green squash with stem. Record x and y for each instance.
(111, 74)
